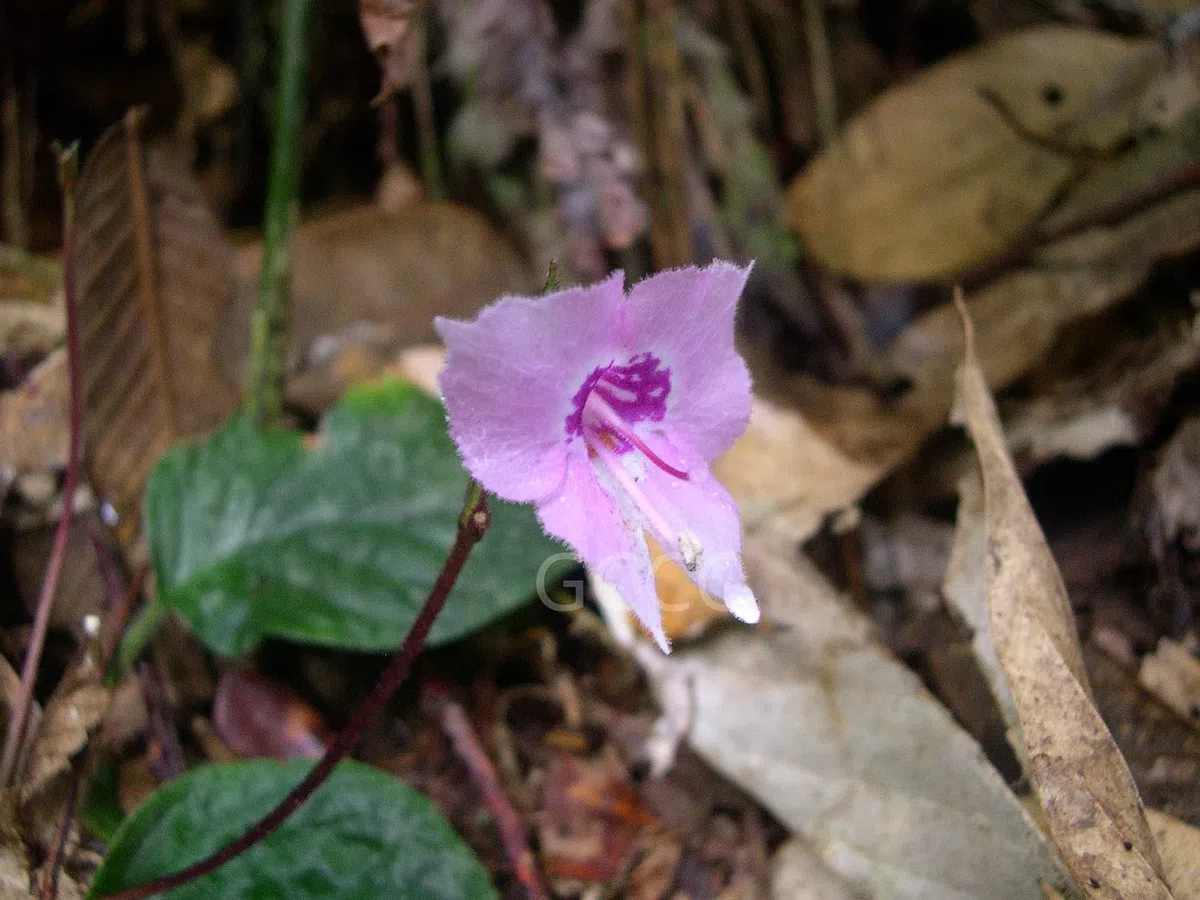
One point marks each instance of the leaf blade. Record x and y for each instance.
(253, 536)
(363, 835)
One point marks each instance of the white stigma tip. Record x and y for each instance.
(691, 550)
(740, 601)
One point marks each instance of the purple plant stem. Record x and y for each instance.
(68, 170)
(472, 524)
(466, 745)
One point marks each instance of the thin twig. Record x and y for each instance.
(472, 524)
(59, 853)
(268, 342)
(68, 169)
(820, 59)
(457, 728)
(422, 92)
(10, 119)
(163, 751)
(1122, 207)
(117, 598)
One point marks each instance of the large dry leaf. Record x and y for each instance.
(845, 745)
(1091, 804)
(1018, 319)
(1179, 844)
(155, 275)
(948, 168)
(366, 282)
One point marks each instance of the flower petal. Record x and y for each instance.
(510, 377)
(584, 515)
(685, 316)
(704, 536)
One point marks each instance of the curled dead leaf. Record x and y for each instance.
(1087, 793)
(76, 707)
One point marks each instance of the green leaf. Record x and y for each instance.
(362, 835)
(253, 535)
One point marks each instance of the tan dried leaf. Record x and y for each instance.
(77, 706)
(366, 283)
(937, 175)
(1172, 674)
(14, 858)
(1179, 844)
(1085, 788)
(34, 425)
(155, 275)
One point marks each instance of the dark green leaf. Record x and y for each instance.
(362, 836)
(253, 535)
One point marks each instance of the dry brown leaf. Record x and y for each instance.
(155, 274)
(1173, 675)
(386, 27)
(34, 421)
(1018, 319)
(366, 282)
(1179, 844)
(1086, 790)
(81, 591)
(14, 858)
(937, 175)
(1162, 752)
(77, 706)
(30, 329)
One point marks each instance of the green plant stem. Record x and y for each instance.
(422, 89)
(472, 524)
(143, 627)
(268, 337)
(820, 60)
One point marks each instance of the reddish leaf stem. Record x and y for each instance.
(68, 166)
(472, 524)
(466, 744)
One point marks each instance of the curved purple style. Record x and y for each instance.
(605, 410)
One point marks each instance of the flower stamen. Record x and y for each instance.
(612, 422)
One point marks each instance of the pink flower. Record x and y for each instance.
(605, 410)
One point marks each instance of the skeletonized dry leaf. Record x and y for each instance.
(845, 745)
(1179, 845)
(1091, 804)
(948, 168)
(1173, 675)
(77, 706)
(155, 275)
